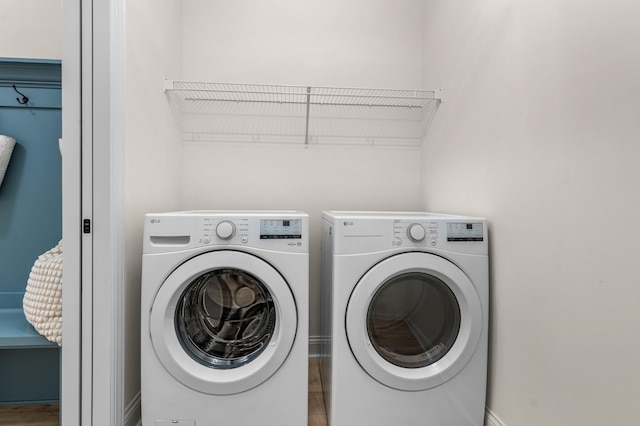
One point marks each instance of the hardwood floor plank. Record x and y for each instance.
(30, 415)
(317, 414)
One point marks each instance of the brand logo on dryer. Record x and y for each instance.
(347, 223)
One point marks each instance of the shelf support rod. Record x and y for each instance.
(306, 131)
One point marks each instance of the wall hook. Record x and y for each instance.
(24, 98)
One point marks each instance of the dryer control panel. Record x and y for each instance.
(469, 231)
(434, 233)
(363, 232)
(415, 233)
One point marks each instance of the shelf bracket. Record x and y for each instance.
(306, 131)
(168, 85)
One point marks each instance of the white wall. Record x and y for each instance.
(31, 29)
(153, 152)
(539, 133)
(280, 42)
(360, 43)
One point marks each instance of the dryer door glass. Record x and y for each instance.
(413, 320)
(225, 318)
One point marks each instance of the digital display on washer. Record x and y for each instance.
(271, 229)
(461, 231)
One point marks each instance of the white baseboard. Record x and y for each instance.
(132, 412)
(315, 346)
(491, 419)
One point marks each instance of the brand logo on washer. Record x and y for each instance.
(155, 220)
(345, 223)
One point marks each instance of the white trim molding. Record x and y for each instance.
(71, 392)
(491, 419)
(315, 346)
(132, 412)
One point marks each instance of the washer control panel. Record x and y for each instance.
(214, 230)
(271, 232)
(280, 229)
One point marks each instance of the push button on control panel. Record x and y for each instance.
(433, 234)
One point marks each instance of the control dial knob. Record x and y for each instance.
(416, 232)
(225, 230)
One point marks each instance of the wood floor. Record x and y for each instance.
(47, 415)
(29, 415)
(317, 415)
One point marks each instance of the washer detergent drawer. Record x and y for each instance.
(175, 423)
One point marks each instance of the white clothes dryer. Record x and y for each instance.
(224, 321)
(405, 318)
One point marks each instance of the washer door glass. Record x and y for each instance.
(225, 318)
(223, 322)
(413, 320)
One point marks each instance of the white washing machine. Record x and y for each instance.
(224, 319)
(405, 315)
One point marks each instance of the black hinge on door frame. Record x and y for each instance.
(86, 226)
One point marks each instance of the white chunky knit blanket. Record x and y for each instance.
(6, 149)
(42, 301)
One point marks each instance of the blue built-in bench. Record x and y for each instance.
(30, 222)
(15, 331)
(29, 363)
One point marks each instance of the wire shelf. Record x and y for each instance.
(300, 114)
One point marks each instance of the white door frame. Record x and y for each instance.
(93, 128)
(70, 392)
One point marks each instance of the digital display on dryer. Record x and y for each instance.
(271, 229)
(461, 231)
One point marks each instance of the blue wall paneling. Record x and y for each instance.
(30, 222)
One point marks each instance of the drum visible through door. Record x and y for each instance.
(413, 321)
(225, 328)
